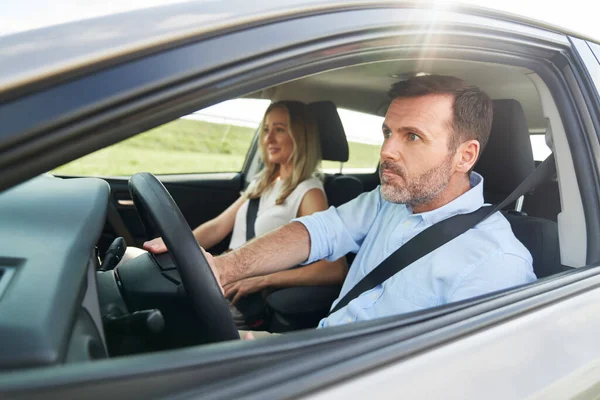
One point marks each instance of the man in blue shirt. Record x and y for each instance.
(434, 131)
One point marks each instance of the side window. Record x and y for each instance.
(215, 139)
(363, 132)
(539, 147)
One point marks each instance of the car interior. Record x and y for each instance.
(506, 161)
(143, 305)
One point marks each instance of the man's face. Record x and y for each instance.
(416, 164)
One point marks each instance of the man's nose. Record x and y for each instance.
(390, 150)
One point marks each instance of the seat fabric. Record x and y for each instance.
(505, 162)
(303, 306)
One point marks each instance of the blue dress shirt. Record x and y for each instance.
(484, 259)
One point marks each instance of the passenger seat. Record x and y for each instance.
(303, 306)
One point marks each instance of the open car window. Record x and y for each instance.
(539, 147)
(214, 139)
(363, 132)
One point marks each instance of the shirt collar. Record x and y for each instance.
(468, 202)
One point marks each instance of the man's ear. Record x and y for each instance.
(467, 153)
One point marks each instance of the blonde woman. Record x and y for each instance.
(287, 188)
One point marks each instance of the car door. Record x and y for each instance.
(505, 345)
(200, 158)
(589, 57)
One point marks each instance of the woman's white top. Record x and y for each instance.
(271, 216)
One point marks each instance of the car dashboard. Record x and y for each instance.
(49, 307)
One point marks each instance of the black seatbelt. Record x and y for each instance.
(251, 218)
(252, 307)
(439, 234)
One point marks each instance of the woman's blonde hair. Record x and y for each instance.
(306, 154)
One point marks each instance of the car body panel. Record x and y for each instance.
(590, 59)
(532, 357)
(595, 49)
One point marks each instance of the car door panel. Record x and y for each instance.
(200, 197)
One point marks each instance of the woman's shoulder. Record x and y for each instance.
(310, 183)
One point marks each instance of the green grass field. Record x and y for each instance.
(189, 146)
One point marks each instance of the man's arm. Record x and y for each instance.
(334, 233)
(318, 273)
(275, 251)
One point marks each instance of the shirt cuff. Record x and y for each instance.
(309, 225)
(320, 237)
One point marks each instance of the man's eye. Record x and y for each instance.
(413, 137)
(386, 133)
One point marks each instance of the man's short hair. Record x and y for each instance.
(471, 111)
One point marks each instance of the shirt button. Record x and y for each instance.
(348, 319)
(374, 296)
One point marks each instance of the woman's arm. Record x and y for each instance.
(313, 201)
(209, 233)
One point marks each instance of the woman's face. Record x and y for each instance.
(277, 138)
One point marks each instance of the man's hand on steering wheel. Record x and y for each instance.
(155, 246)
(158, 246)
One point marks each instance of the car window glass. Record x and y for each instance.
(539, 147)
(363, 132)
(215, 139)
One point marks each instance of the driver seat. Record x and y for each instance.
(505, 162)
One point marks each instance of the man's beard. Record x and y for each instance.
(416, 190)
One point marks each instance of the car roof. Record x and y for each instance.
(42, 53)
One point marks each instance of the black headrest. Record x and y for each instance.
(334, 145)
(341, 189)
(507, 159)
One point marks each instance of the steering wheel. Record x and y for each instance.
(161, 217)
